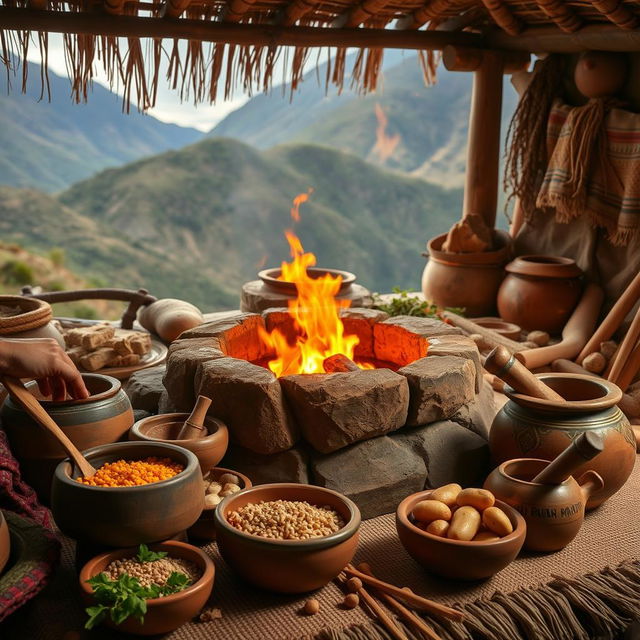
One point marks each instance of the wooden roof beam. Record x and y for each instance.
(232, 33)
(503, 16)
(617, 12)
(561, 14)
(430, 10)
(359, 13)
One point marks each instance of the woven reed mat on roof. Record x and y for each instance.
(597, 595)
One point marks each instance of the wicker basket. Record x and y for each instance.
(34, 314)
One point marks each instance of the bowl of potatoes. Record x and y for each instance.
(464, 534)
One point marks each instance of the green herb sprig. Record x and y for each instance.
(146, 555)
(405, 304)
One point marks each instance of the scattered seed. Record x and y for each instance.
(311, 607)
(351, 601)
(354, 585)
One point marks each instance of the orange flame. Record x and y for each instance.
(385, 145)
(315, 311)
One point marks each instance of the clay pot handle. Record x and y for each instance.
(505, 366)
(590, 482)
(193, 426)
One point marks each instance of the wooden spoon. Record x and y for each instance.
(30, 404)
(193, 426)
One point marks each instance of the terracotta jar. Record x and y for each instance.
(468, 280)
(102, 418)
(553, 513)
(535, 428)
(34, 319)
(540, 292)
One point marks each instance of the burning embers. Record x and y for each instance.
(319, 331)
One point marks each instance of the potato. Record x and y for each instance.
(447, 493)
(438, 528)
(428, 510)
(212, 500)
(496, 520)
(465, 524)
(228, 489)
(479, 498)
(214, 487)
(229, 478)
(485, 536)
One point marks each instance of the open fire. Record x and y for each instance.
(315, 311)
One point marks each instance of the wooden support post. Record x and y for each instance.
(483, 146)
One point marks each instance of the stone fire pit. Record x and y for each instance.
(375, 435)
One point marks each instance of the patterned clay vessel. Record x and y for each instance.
(535, 428)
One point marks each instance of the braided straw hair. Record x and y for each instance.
(526, 147)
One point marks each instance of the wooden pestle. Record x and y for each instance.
(339, 363)
(626, 347)
(506, 367)
(193, 426)
(630, 369)
(585, 447)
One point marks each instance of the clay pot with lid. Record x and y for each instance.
(102, 418)
(29, 318)
(468, 280)
(540, 292)
(553, 513)
(528, 427)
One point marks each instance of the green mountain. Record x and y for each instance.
(51, 145)
(198, 222)
(430, 122)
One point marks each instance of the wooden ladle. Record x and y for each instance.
(30, 404)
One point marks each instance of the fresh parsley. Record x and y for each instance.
(146, 555)
(404, 304)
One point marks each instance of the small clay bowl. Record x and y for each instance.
(271, 278)
(166, 427)
(205, 527)
(163, 614)
(506, 329)
(5, 542)
(128, 516)
(458, 559)
(288, 566)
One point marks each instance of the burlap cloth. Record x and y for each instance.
(609, 537)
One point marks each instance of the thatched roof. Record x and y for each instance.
(240, 40)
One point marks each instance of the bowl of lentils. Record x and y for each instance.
(289, 538)
(146, 590)
(142, 492)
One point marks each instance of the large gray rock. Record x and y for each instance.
(438, 387)
(479, 414)
(288, 466)
(359, 321)
(451, 453)
(249, 399)
(185, 355)
(461, 346)
(145, 387)
(338, 409)
(376, 474)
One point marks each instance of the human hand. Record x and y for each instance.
(44, 360)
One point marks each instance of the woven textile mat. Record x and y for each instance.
(525, 601)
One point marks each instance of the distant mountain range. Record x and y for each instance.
(51, 145)
(198, 222)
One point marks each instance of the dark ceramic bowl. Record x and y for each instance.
(166, 427)
(270, 278)
(288, 566)
(5, 542)
(127, 516)
(205, 527)
(456, 558)
(163, 614)
(102, 418)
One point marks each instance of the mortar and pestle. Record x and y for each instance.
(547, 412)
(550, 500)
(206, 437)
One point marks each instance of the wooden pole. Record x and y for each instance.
(483, 147)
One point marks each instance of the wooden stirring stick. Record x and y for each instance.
(193, 426)
(408, 615)
(30, 404)
(627, 346)
(418, 602)
(506, 367)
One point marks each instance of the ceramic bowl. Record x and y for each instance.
(102, 418)
(166, 427)
(205, 527)
(163, 614)
(288, 566)
(271, 278)
(456, 558)
(506, 329)
(127, 516)
(5, 542)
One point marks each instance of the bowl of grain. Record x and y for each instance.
(142, 492)
(174, 606)
(290, 538)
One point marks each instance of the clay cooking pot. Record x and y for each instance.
(535, 428)
(163, 614)
(468, 280)
(553, 513)
(102, 418)
(540, 292)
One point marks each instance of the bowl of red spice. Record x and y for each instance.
(142, 492)
(290, 538)
(148, 590)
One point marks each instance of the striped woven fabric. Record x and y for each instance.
(609, 158)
